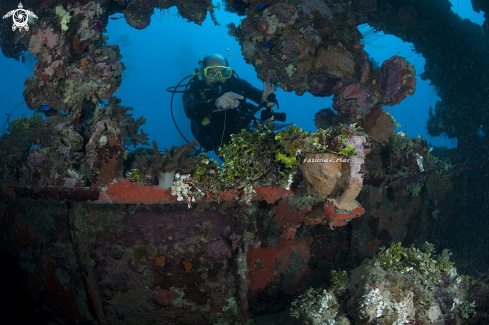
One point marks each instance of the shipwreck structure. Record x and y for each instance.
(92, 233)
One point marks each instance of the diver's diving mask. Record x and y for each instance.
(212, 71)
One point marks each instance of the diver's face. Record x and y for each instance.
(218, 78)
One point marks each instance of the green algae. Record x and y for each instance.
(339, 279)
(252, 155)
(401, 259)
(23, 123)
(134, 176)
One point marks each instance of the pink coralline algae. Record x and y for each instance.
(36, 157)
(362, 145)
(353, 98)
(90, 13)
(96, 76)
(55, 157)
(397, 79)
(322, 84)
(52, 68)
(64, 135)
(42, 41)
(72, 65)
(47, 167)
(70, 152)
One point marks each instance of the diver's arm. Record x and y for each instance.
(249, 90)
(196, 109)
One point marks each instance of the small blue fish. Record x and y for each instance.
(44, 108)
(267, 45)
(277, 126)
(314, 31)
(261, 5)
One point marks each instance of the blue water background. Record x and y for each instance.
(169, 49)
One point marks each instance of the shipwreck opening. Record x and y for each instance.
(168, 50)
(168, 57)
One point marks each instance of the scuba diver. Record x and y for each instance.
(217, 108)
(215, 102)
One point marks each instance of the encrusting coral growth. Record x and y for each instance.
(129, 126)
(74, 65)
(263, 157)
(399, 286)
(70, 152)
(307, 47)
(257, 157)
(260, 157)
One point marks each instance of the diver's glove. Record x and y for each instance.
(268, 88)
(227, 101)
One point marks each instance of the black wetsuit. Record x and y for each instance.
(200, 101)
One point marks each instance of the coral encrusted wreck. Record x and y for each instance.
(399, 286)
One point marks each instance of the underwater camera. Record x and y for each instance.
(267, 113)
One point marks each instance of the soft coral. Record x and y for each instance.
(175, 159)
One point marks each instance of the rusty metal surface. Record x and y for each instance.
(166, 263)
(57, 193)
